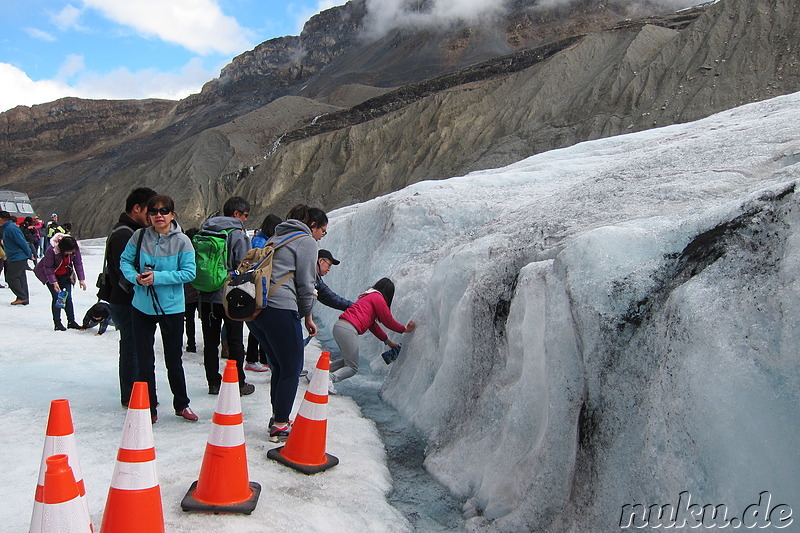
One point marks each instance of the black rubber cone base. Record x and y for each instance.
(246, 507)
(275, 454)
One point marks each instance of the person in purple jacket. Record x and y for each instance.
(55, 270)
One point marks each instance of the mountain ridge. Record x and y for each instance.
(644, 74)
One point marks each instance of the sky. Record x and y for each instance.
(117, 49)
(540, 291)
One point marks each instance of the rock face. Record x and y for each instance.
(339, 115)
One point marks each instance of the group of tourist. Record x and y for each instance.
(149, 263)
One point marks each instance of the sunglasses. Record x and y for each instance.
(161, 210)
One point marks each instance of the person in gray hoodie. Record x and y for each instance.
(212, 313)
(278, 325)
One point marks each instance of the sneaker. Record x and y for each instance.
(213, 389)
(331, 387)
(59, 327)
(279, 433)
(188, 414)
(257, 367)
(246, 388)
(73, 325)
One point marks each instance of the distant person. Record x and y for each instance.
(212, 313)
(255, 357)
(17, 255)
(158, 269)
(31, 234)
(52, 228)
(120, 301)
(61, 263)
(100, 314)
(371, 307)
(192, 297)
(277, 327)
(41, 232)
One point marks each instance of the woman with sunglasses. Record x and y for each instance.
(158, 260)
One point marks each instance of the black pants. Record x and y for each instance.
(65, 283)
(212, 316)
(254, 353)
(191, 312)
(144, 330)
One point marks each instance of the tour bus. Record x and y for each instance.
(17, 204)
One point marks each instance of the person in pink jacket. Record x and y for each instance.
(371, 307)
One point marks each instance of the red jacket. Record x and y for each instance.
(370, 307)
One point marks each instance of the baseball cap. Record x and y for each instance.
(325, 254)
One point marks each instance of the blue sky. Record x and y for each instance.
(132, 48)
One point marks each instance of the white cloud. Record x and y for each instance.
(385, 15)
(42, 35)
(16, 88)
(71, 66)
(67, 18)
(197, 25)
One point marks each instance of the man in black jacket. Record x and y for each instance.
(134, 217)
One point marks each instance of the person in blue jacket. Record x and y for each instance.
(17, 254)
(158, 260)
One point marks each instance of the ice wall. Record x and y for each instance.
(609, 324)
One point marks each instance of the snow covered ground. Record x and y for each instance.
(40, 365)
(606, 325)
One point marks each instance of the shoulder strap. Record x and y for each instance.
(289, 274)
(138, 250)
(108, 242)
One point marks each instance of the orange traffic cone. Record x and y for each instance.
(59, 439)
(62, 510)
(305, 447)
(134, 499)
(223, 485)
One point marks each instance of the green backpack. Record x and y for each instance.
(211, 258)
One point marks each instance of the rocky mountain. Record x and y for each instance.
(341, 114)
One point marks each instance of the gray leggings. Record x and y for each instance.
(346, 337)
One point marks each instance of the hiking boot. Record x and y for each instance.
(213, 389)
(246, 388)
(279, 433)
(257, 367)
(188, 414)
(59, 327)
(73, 325)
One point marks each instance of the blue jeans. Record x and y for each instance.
(122, 316)
(280, 333)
